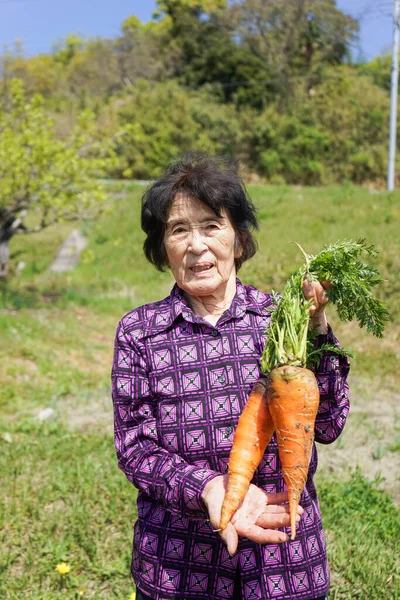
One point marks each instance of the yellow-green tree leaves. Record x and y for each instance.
(43, 179)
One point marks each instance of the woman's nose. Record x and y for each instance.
(197, 241)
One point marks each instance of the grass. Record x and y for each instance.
(63, 502)
(62, 497)
(363, 538)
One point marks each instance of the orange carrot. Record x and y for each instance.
(293, 399)
(252, 436)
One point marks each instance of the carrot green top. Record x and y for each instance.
(290, 341)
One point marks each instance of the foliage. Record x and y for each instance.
(288, 103)
(40, 74)
(335, 131)
(42, 178)
(92, 71)
(293, 38)
(351, 282)
(138, 52)
(289, 341)
(379, 69)
(289, 147)
(153, 136)
(65, 50)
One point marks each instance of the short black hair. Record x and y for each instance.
(213, 180)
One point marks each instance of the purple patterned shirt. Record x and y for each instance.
(179, 386)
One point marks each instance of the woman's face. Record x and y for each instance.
(200, 247)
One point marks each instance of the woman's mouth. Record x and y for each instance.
(201, 268)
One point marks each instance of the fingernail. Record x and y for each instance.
(285, 538)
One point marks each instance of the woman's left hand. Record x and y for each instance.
(316, 291)
(257, 518)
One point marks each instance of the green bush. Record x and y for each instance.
(334, 132)
(162, 121)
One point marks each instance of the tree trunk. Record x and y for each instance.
(4, 251)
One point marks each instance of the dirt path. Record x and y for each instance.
(371, 438)
(68, 255)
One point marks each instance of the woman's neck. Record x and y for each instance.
(213, 306)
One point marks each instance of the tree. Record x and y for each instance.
(162, 121)
(65, 50)
(139, 52)
(93, 71)
(290, 39)
(379, 69)
(254, 48)
(43, 180)
(338, 133)
(295, 32)
(200, 36)
(39, 73)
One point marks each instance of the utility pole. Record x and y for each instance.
(393, 96)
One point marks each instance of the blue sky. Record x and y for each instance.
(40, 23)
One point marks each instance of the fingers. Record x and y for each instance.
(322, 296)
(278, 498)
(280, 509)
(275, 520)
(276, 516)
(262, 536)
(230, 536)
(316, 292)
(308, 289)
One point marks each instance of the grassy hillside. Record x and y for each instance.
(114, 276)
(63, 499)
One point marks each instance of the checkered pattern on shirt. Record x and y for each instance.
(179, 386)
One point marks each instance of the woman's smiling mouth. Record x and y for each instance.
(201, 268)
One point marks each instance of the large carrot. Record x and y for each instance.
(293, 399)
(292, 391)
(252, 436)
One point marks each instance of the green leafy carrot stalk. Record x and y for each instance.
(290, 341)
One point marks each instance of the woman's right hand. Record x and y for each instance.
(257, 518)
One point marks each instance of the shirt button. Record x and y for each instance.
(214, 333)
(221, 379)
(332, 359)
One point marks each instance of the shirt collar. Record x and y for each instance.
(163, 314)
(246, 299)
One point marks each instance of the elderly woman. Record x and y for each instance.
(183, 368)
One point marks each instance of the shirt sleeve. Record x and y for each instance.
(334, 405)
(161, 474)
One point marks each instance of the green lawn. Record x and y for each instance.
(62, 497)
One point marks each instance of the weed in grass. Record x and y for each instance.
(395, 447)
(378, 453)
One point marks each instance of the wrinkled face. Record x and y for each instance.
(200, 247)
